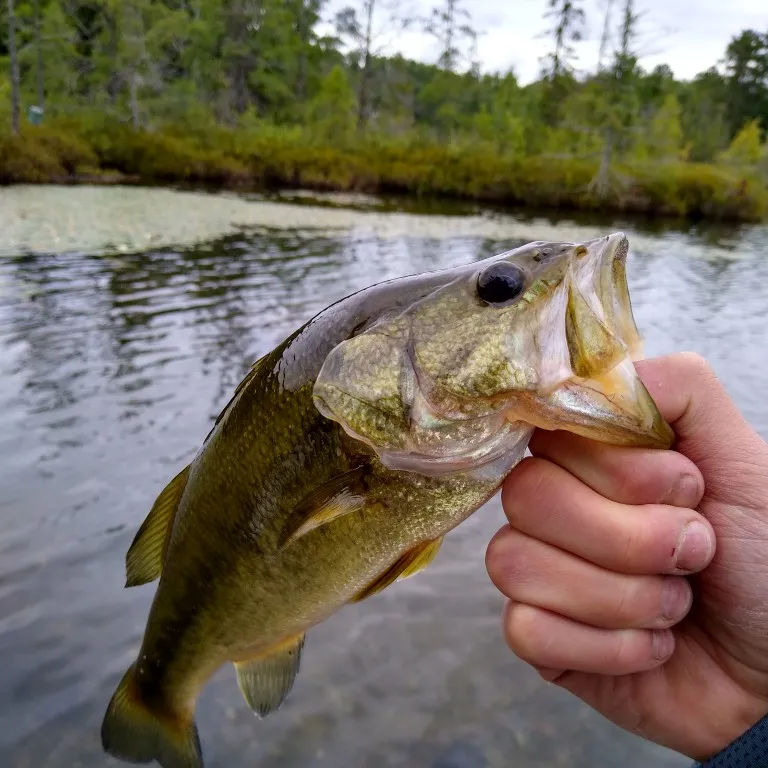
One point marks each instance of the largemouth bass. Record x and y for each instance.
(348, 452)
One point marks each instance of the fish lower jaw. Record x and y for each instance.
(506, 447)
(611, 407)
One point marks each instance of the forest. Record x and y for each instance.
(283, 93)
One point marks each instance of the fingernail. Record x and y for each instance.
(662, 644)
(695, 547)
(675, 599)
(683, 493)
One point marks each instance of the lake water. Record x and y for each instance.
(127, 317)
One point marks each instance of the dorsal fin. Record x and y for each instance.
(144, 560)
(413, 561)
(339, 496)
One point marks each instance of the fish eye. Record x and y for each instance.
(501, 283)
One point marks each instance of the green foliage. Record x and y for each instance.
(332, 112)
(23, 161)
(699, 191)
(42, 154)
(240, 92)
(267, 157)
(74, 155)
(704, 115)
(662, 139)
(746, 149)
(747, 78)
(568, 20)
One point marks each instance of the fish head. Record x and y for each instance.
(539, 336)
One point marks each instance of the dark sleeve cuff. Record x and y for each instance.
(750, 750)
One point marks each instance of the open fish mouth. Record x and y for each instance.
(604, 399)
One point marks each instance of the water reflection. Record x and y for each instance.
(111, 368)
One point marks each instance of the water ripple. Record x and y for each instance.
(112, 366)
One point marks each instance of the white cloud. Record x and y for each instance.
(689, 35)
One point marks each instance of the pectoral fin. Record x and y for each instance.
(337, 497)
(413, 561)
(144, 560)
(267, 680)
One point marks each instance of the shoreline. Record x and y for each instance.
(116, 179)
(249, 163)
(115, 220)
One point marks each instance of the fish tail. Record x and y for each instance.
(138, 731)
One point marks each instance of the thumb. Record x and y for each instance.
(710, 429)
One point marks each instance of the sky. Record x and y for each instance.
(688, 35)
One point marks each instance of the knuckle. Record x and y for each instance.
(523, 633)
(522, 489)
(626, 650)
(497, 556)
(637, 602)
(633, 650)
(696, 364)
(626, 605)
(631, 484)
(644, 543)
(506, 561)
(631, 544)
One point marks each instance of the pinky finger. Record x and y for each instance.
(549, 641)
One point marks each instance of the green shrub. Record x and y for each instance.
(73, 153)
(25, 161)
(262, 154)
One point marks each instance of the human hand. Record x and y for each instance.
(602, 600)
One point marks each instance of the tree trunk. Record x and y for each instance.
(239, 76)
(301, 81)
(135, 117)
(115, 81)
(601, 183)
(15, 77)
(39, 47)
(240, 61)
(448, 57)
(365, 74)
(605, 37)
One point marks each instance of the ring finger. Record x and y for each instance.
(532, 572)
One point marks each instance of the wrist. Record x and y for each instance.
(728, 726)
(746, 751)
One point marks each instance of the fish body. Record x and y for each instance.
(349, 451)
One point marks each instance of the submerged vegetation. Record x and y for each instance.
(254, 95)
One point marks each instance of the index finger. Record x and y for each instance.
(619, 473)
(709, 427)
(546, 502)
